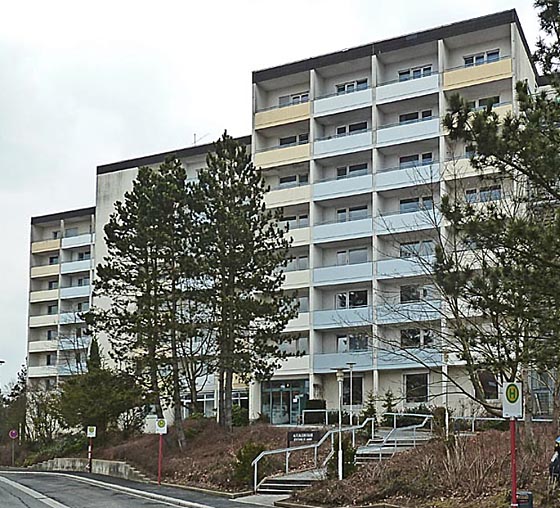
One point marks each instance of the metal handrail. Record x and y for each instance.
(315, 446)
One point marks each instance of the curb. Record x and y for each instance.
(292, 504)
(210, 492)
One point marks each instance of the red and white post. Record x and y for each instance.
(160, 459)
(90, 454)
(514, 503)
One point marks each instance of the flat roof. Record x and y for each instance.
(395, 43)
(70, 214)
(160, 157)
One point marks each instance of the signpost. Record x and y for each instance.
(91, 432)
(161, 429)
(13, 436)
(303, 437)
(512, 408)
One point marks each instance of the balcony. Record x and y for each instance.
(68, 318)
(392, 223)
(344, 274)
(394, 313)
(75, 292)
(74, 343)
(342, 318)
(400, 90)
(45, 271)
(299, 236)
(298, 324)
(288, 196)
(293, 365)
(413, 358)
(45, 246)
(403, 267)
(76, 266)
(324, 363)
(401, 177)
(43, 320)
(338, 103)
(330, 189)
(78, 241)
(477, 74)
(297, 279)
(336, 231)
(42, 371)
(337, 145)
(281, 115)
(43, 296)
(41, 346)
(279, 156)
(409, 132)
(71, 369)
(461, 167)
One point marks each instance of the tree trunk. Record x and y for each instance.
(528, 404)
(221, 398)
(177, 403)
(228, 402)
(556, 402)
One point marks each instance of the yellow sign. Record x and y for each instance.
(512, 393)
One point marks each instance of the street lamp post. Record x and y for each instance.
(351, 367)
(340, 379)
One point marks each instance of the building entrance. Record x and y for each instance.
(284, 401)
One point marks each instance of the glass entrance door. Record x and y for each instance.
(284, 401)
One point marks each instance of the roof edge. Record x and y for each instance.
(69, 214)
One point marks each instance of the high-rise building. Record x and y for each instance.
(61, 270)
(353, 148)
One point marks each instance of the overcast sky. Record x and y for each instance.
(87, 83)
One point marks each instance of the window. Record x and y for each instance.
(407, 161)
(416, 293)
(352, 213)
(408, 117)
(351, 299)
(486, 194)
(480, 58)
(53, 260)
(69, 232)
(488, 101)
(350, 171)
(295, 221)
(83, 281)
(49, 360)
(297, 263)
(415, 73)
(52, 309)
(415, 249)
(296, 98)
(352, 342)
(53, 284)
(357, 390)
(55, 235)
(352, 256)
(303, 303)
(426, 114)
(410, 205)
(83, 307)
(352, 86)
(294, 140)
(51, 334)
(492, 193)
(353, 128)
(489, 384)
(415, 338)
(83, 256)
(293, 181)
(416, 387)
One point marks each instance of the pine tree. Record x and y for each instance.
(241, 249)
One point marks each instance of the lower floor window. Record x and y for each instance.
(357, 391)
(416, 387)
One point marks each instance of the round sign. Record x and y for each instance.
(161, 423)
(512, 393)
(13, 434)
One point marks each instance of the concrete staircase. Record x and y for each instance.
(288, 484)
(385, 446)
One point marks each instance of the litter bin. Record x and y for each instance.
(525, 499)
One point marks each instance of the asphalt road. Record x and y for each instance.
(41, 490)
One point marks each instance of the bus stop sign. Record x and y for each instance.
(512, 400)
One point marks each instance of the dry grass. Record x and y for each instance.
(474, 471)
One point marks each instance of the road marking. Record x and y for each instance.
(33, 493)
(110, 486)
